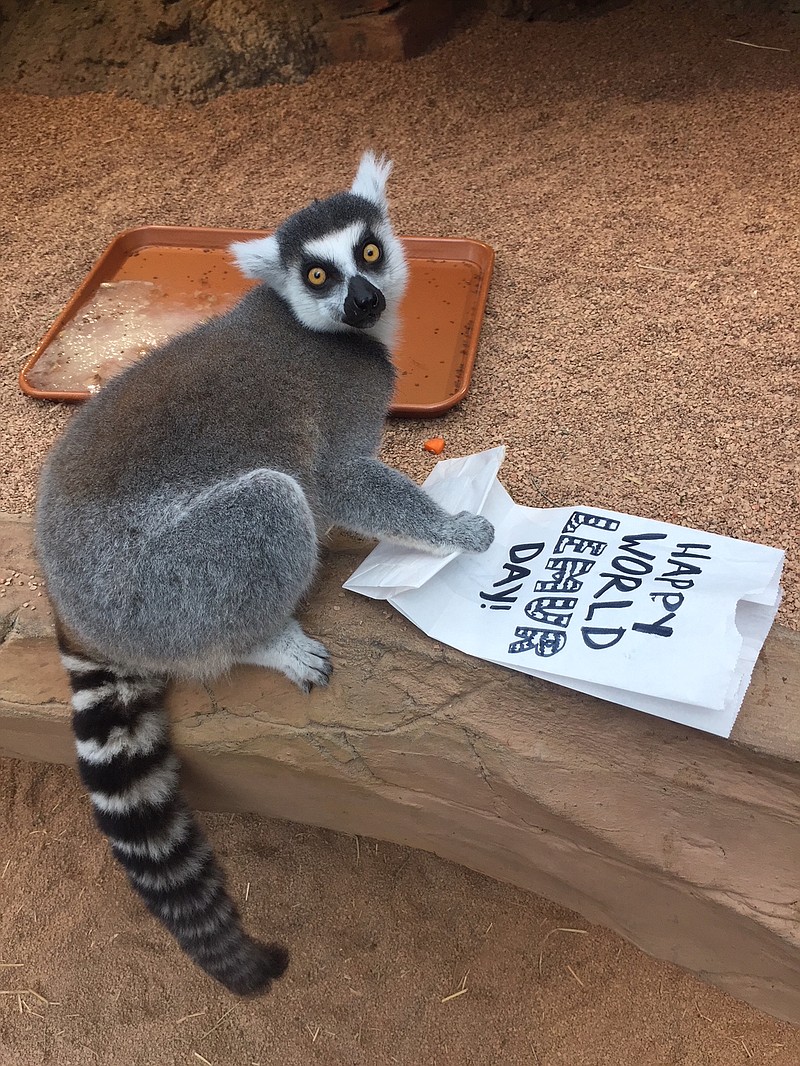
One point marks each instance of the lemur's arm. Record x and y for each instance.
(365, 496)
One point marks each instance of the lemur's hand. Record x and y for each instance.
(471, 532)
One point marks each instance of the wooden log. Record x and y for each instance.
(684, 843)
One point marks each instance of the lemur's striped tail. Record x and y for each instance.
(127, 765)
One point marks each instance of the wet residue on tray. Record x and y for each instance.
(123, 321)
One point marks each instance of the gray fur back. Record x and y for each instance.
(242, 395)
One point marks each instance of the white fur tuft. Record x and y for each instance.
(371, 177)
(259, 259)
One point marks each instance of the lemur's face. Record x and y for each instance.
(346, 278)
(337, 262)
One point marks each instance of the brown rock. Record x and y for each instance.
(380, 30)
(165, 52)
(684, 843)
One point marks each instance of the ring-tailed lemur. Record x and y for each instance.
(178, 525)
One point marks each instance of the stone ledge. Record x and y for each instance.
(684, 843)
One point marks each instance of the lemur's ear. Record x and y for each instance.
(259, 259)
(371, 177)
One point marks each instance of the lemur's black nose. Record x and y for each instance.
(367, 301)
(363, 293)
(363, 301)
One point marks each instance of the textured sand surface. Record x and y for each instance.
(381, 936)
(637, 175)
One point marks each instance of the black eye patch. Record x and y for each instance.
(318, 275)
(368, 252)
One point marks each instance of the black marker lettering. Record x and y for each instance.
(515, 573)
(553, 610)
(670, 601)
(631, 542)
(689, 551)
(602, 606)
(524, 553)
(583, 518)
(632, 567)
(656, 629)
(619, 584)
(564, 584)
(543, 642)
(508, 596)
(681, 569)
(589, 632)
(570, 567)
(677, 584)
(579, 545)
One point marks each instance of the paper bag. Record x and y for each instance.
(654, 616)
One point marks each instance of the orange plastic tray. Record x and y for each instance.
(441, 315)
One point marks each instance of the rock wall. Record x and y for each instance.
(166, 51)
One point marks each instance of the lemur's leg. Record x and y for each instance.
(221, 573)
(368, 497)
(304, 661)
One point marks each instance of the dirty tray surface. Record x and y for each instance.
(156, 281)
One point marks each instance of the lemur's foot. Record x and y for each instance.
(299, 657)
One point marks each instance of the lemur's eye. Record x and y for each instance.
(317, 276)
(371, 252)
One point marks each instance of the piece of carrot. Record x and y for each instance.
(435, 445)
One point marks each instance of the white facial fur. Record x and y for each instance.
(323, 311)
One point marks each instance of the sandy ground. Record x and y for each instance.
(381, 936)
(637, 176)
